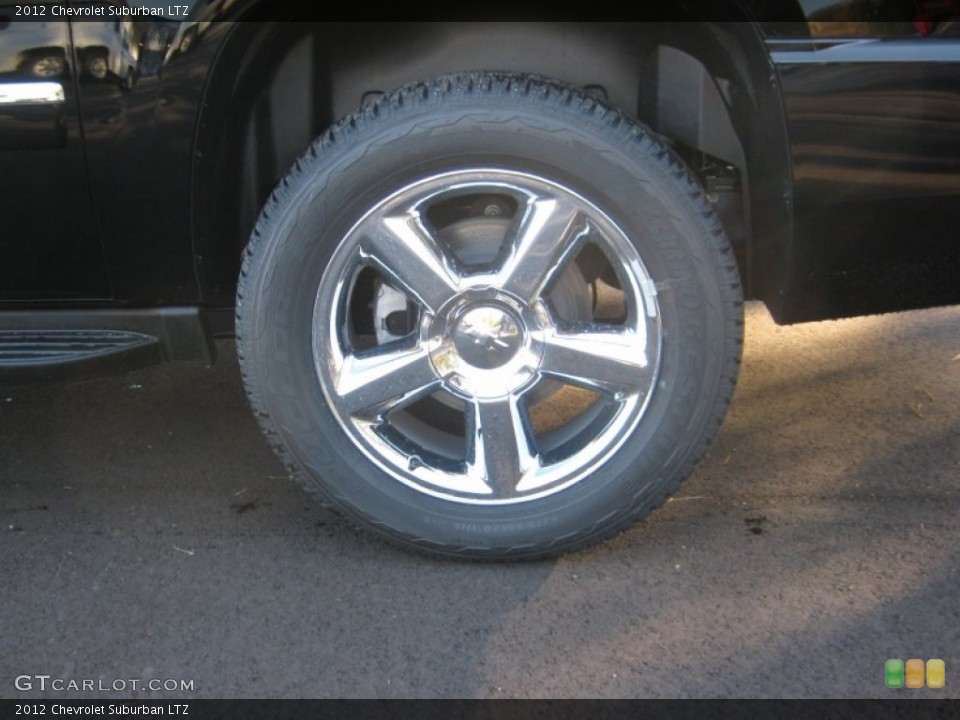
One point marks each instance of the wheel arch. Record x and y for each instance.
(276, 86)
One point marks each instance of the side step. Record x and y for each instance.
(45, 346)
(41, 355)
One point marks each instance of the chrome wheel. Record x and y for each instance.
(487, 336)
(448, 324)
(48, 67)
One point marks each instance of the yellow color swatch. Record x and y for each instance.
(914, 673)
(936, 673)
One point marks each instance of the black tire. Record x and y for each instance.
(45, 64)
(544, 132)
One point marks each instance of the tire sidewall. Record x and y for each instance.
(623, 173)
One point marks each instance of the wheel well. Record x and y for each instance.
(276, 86)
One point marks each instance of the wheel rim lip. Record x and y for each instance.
(444, 484)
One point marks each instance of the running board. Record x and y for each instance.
(39, 355)
(42, 346)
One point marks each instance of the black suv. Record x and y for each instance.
(486, 279)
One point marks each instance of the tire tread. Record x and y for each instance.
(633, 138)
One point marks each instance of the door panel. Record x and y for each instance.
(872, 97)
(49, 243)
(876, 149)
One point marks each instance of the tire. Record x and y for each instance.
(98, 66)
(50, 65)
(489, 316)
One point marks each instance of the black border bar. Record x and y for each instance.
(487, 709)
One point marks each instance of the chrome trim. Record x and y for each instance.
(31, 93)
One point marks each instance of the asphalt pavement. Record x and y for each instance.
(148, 532)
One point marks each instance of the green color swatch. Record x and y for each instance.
(894, 673)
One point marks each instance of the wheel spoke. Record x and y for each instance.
(548, 237)
(612, 362)
(412, 259)
(371, 386)
(499, 325)
(500, 447)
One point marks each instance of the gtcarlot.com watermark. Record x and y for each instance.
(48, 683)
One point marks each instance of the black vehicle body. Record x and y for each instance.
(140, 190)
(138, 150)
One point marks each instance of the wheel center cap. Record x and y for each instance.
(487, 337)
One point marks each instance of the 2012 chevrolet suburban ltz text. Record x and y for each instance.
(486, 279)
